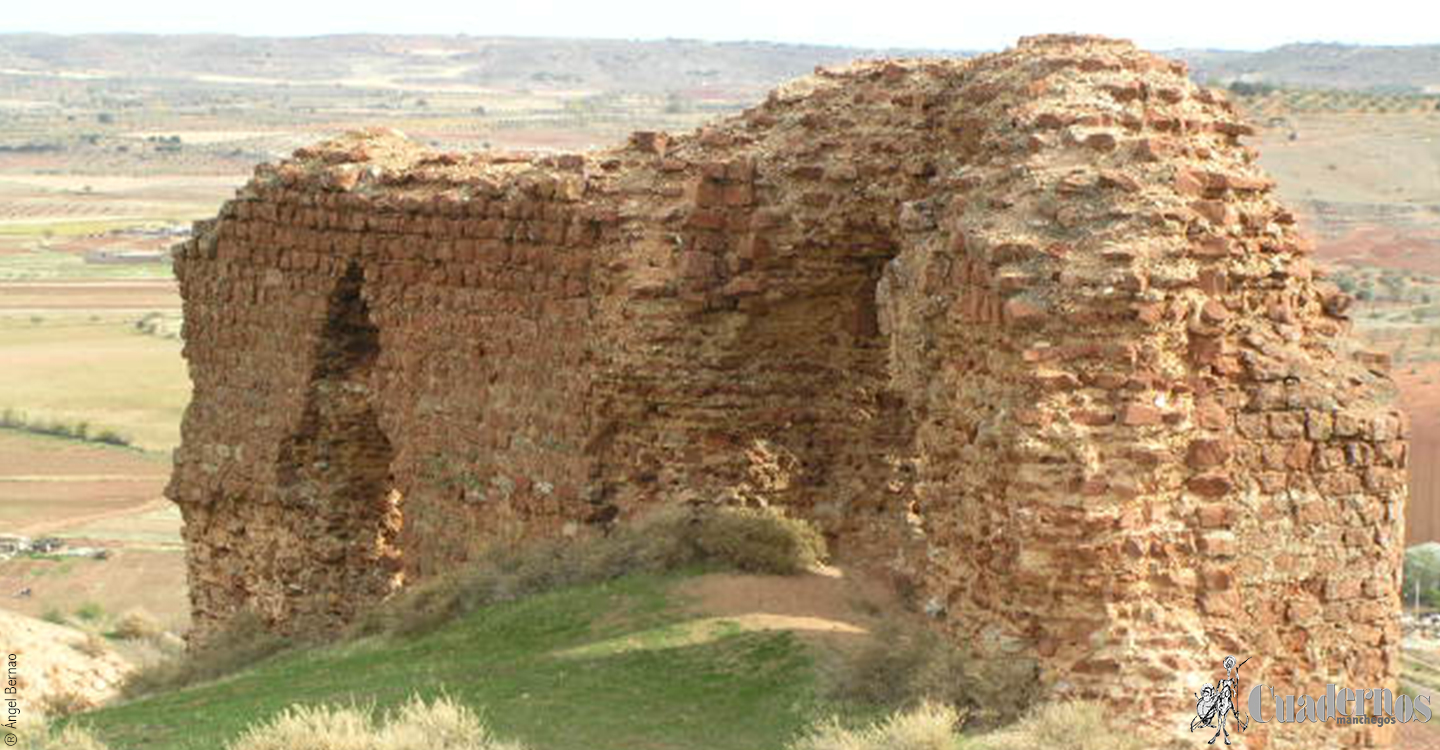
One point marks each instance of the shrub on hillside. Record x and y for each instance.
(244, 641)
(905, 664)
(441, 725)
(1076, 725)
(80, 430)
(90, 612)
(137, 624)
(753, 540)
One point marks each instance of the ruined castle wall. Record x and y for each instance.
(1143, 378)
(356, 356)
(1027, 329)
(748, 285)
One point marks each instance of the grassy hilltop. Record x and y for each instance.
(697, 628)
(609, 666)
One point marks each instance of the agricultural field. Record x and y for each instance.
(100, 370)
(90, 495)
(90, 406)
(1357, 171)
(36, 468)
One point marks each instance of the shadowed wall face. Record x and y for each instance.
(1028, 329)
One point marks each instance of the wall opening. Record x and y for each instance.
(336, 472)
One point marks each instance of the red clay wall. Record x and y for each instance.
(1028, 328)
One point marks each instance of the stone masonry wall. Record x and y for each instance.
(1029, 329)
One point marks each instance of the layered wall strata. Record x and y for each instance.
(1029, 329)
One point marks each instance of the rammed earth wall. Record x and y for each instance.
(1028, 328)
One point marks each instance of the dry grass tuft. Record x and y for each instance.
(753, 540)
(36, 733)
(64, 703)
(929, 726)
(136, 625)
(1077, 725)
(934, 726)
(440, 725)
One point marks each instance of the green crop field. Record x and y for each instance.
(98, 370)
(46, 265)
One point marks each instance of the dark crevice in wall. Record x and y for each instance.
(336, 468)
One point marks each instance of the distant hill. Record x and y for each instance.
(1331, 66)
(515, 63)
(419, 62)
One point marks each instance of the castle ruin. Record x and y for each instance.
(1029, 329)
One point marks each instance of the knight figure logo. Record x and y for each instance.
(1215, 703)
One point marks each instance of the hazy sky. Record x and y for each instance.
(1158, 24)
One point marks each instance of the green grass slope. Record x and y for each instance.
(614, 665)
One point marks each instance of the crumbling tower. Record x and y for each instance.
(1028, 328)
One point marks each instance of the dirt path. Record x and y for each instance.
(831, 606)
